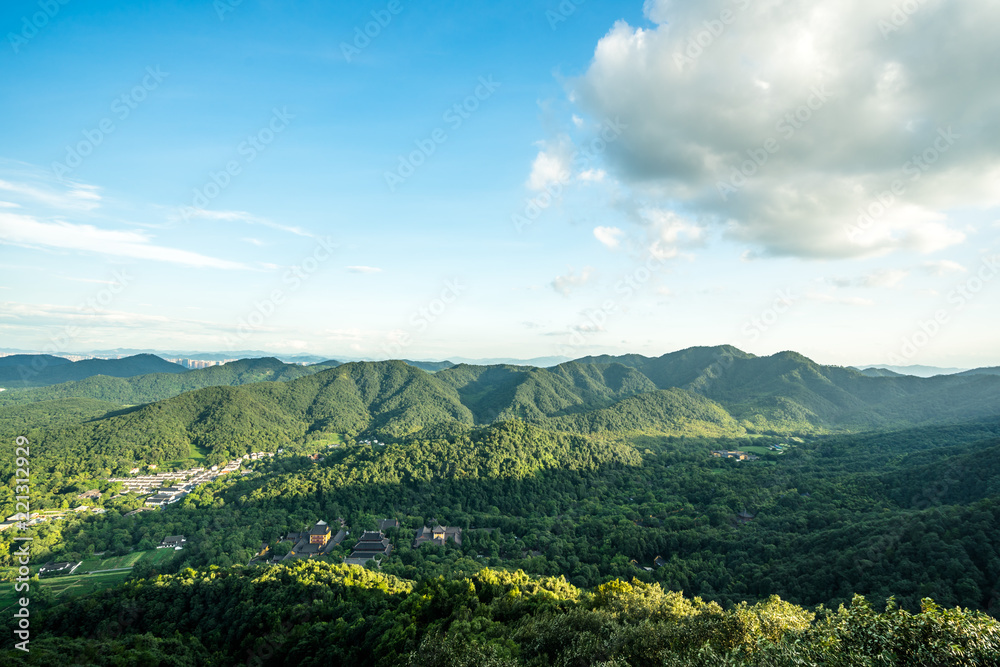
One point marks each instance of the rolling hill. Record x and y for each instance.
(715, 392)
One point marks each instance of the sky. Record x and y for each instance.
(402, 180)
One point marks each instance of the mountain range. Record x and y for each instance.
(702, 391)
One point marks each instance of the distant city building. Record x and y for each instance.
(198, 363)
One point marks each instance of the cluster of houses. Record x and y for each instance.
(320, 540)
(175, 542)
(182, 481)
(373, 545)
(737, 455)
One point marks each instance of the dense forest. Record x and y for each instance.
(587, 492)
(314, 613)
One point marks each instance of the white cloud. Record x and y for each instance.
(942, 267)
(240, 216)
(26, 230)
(577, 121)
(80, 198)
(609, 236)
(884, 278)
(253, 241)
(692, 121)
(550, 166)
(571, 281)
(593, 175)
(54, 314)
(668, 232)
(364, 269)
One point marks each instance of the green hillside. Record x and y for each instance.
(725, 393)
(668, 411)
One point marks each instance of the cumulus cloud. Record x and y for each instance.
(792, 124)
(609, 236)
(567, 283)
(668, 232)
(550, 166)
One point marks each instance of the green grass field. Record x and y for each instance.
(198, 454)
(195, 454)
(128, 560)
(327, 439)
(84, 580)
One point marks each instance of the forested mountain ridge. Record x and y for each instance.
(789, 388)
(780, 393)
(724, 392)
(150, 387)
(39, 370)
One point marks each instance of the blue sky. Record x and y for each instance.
(480, 180)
